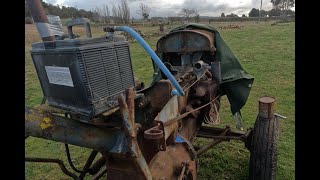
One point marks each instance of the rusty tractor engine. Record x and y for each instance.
(142, 133)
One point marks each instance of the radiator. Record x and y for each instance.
(83, 76)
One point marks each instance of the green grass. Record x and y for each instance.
(265, 51)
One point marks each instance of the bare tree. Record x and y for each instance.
(121, 12)
(97, 14)
(125, 11)
(188, 13)
(144, 12)
(115, 13)
(106, 13)
(103, 13)
(283, 4)
(74, 11)
(197, 18)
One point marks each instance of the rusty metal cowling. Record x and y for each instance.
(186, 41)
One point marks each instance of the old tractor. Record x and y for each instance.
(93, 101)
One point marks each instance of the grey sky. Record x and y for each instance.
(166, 8)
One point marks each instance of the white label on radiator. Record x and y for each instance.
(59, 75)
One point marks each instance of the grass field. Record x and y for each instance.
(265, 51)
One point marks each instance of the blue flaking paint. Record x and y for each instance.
(179, 139)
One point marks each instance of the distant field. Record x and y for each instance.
(267, 52)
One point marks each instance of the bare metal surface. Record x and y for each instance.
(111, 111)
(182, 172)
(280, 116)
(169, 111)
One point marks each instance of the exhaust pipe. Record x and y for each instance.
(40, 19)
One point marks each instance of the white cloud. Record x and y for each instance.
(166, 8)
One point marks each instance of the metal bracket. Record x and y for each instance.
(280, 116)
(157, 133)
(79, 21)
(126, 104)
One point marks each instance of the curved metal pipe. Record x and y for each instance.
(40, 19)
(178, 91)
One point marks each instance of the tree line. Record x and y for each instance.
(119, 13)
(280, 8)
(62, 11)
(272, 13)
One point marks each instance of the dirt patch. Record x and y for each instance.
(131, 39)
(159, 34)
(231, 26)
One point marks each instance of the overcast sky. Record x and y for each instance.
(167, 8)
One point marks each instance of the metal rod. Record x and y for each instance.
(175, 119)
(182, 172)
(279, 115)
(100, 173)
(48, 160)
(178, 91)
(208, 146)
(214, 131)
(79, 21)
(44, 99)
(246, 135)
(97, 165)
(127, 111)
(220, 137)
(195, 147)
(86, 167)
(212, 143)
(70, 161)
(40, 19)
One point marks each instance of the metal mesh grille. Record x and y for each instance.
(106, 71)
